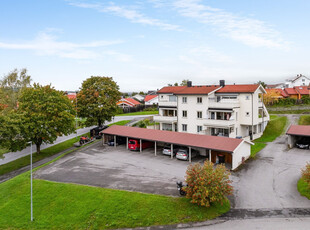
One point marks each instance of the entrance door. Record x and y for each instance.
(221, 159)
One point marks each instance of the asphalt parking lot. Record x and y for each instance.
(119, 168)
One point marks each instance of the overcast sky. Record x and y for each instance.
(145, 45)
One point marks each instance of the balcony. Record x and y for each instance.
(223, 103)
(167, 103)
(219, 123)
(165, 119)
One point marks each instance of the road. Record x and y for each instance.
(11, 156)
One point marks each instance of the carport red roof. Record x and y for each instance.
(299, 130)
(225, 144)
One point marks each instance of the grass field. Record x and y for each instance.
(290, 112)
(303, 188)
(70, 206)
(304, 120)
(274, 129)
(124, 122)
(139, 113)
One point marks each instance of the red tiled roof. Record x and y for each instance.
(290, 91)
(129, 101)
(238, 89)
(280, 92)
(299, 130)
(225, 144)
(170, 89)
(71, 96)
(203, 89)
(149, 97)
(303, 90)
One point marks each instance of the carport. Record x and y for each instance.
(296, 132)
(235, 150)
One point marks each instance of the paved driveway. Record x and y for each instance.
(270, 181)
(119, 169)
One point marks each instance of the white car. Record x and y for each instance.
(183, 154)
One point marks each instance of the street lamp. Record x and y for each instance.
(31, 206)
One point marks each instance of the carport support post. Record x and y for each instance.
(210, 155)
(126, 142)
(114, 141)
(103, 139)
(140, 145)
(155, 148)
(171, 151)
(190, 154)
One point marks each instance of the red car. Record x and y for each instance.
(134, 144)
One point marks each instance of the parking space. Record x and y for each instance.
(119, 168)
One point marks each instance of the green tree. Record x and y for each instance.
(11, 86)
(262, 83)
(184, 82)
(46, 114)
(97, 100)
(207, 184)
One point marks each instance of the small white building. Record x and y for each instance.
(151, 100)
(299, 80)
(138, 97)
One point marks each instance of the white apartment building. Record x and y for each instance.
(235, 111)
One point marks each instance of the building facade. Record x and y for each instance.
(235, 111)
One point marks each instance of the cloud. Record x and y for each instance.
(131, 14)
(47, 44)
(251, 32)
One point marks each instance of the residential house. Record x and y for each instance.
(277, 93)
(151, 100)
(299, 80)
(139, 97)
(219, 110)
(128, 102)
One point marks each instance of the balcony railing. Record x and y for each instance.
(168, 119)
(222, 123)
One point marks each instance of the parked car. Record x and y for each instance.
(183, 154)
(167, 149)
(119, 141)
(303, 143)
(95, 132)
(134, 144)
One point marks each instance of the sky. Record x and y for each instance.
(145, 45)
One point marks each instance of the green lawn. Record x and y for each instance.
(124, 122)
(303, 188)
(24, 161)
(304, 120)
(274, 129)
(138, 113)
(70, 206)
(256, 148)
(289, 112)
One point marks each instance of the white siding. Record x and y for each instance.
(244, 150)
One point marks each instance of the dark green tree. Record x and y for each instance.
(262, 83)
(97, 100)
(46, 114)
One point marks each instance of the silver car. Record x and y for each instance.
(183, 154)
(167, 150)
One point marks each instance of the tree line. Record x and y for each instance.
(39, 114)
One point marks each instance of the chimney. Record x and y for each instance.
(189, 83)
(222, 83)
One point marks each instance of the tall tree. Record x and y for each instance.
(262, 83)
(97, 100)
(184, 82)
(11, 86)
(47, 114)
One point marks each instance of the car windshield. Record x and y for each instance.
(182, 151)
(132, 142)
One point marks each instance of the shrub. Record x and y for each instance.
(305, 172)
(206, 184)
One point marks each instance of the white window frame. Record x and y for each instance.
(184, 127)
(199, 113)
(199, 100)
(184, 112)
(184, 100)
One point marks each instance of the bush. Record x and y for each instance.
(206, 184)
(153, 108)
(305, 172)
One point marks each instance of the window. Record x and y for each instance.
(199, 114)
(199, 128)
(303, 79)
(184, 100)
(172, 98)
(247, 97)
(247, 114)
(161, 96)
(184, 113)
(199, 99)
(184, 128)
